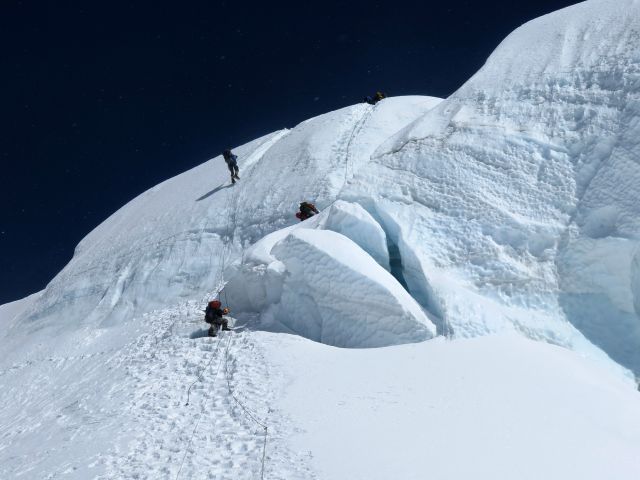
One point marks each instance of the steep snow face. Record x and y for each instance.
(512, 205)
(323, 286)
(174, 240)
(515, 202)
(154, 250)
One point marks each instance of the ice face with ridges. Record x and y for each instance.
(327, 286)
(332, 285)
(507, 188)
(512, 205)
(166, 244)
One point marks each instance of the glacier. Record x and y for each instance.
(466, 303)
(303, 291)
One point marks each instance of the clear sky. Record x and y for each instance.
(102, 100)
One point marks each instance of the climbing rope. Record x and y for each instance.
(195, 428)
(219, 280)
(252, 415)
(231, 206)
(202, 370)
(357, 128)
(447, 329)
(354, 134)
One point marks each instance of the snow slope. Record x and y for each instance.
(173, 241)
(510, 207)
(491, 407)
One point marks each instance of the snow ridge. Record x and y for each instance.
(506, 217)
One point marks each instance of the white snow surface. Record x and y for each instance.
(505, 217)
(517, 196)
(491, 407)
(303, 287)
(326, 286)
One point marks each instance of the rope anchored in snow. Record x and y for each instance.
(231, 204)
(354, 134)
(195, 428)
(357, 128)
(247, 411)
(202, 370)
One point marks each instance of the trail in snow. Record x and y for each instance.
(512, 206)
(212, 437)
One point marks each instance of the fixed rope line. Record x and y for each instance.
(219, 279)
(356, 129)
(206, 224)
(447, 330)
(218, 275)
(195, 428)
(202, 370)
(354, 133)
(231, 222)
(246, 410)
(231, 204)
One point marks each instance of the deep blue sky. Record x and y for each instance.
(103, 100)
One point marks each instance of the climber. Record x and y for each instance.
(232, 164)
(214, 315)
(307, 210)
(375, 99)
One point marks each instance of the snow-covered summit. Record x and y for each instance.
(509, 208)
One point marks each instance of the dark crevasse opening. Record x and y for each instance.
(395, 264)
(405, 267)
(418, 288)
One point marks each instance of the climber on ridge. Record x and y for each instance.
(214, 315)
(307, 210)
(372, 100)
(232, 164)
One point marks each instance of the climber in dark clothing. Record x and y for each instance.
(232, 164)
(372, 100)
(214, 315)
(307, 210)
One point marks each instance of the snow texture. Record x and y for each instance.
(351, 220)
(506, 213)
(321, 285)
(495, 407)
(518, 195)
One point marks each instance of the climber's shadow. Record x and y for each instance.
(215, 190)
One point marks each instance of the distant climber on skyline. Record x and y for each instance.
(307, 210)
(232, 164)
(372, 100)
(214, 315)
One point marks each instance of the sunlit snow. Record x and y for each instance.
(483, 248)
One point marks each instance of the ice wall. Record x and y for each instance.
(520, 190)
(322, 285)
